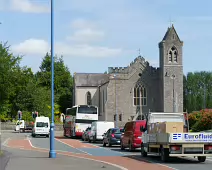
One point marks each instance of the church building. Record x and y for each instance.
(138, 87)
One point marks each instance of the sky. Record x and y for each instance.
(93, 35)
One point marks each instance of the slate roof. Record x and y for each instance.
(90, 79)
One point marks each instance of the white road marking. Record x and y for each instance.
(76, 156)
(29, 139)
(64, 153)
(5, 142)
(134, 155)
(73, 146)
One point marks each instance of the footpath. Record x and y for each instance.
(4, 158)
(22, 159)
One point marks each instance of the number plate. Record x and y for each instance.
(193, 149)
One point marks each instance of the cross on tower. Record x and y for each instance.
(171, 22)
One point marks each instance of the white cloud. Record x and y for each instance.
(40, 47)
(87, 35)
(85, 31)
(82, 23)
(27, 6)
(31, 46)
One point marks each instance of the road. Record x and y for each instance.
(19, 158)
(113, 155)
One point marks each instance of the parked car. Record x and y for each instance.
(131, 138)
(112, 137)
(86, 133)
(98, 128)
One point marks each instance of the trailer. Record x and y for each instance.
(177, 144)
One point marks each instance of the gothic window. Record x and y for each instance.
(89, 102)
(140, 95)
(172, 55)
(175, 56)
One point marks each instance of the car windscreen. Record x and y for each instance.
(42, 124)
(116, 131)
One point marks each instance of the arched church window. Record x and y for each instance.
(173, 55)
(89, 102)
(140, 95)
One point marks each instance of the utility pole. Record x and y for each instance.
(204, 86)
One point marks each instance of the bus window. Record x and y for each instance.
(87, 110)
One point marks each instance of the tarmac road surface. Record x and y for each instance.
(33, 160)
(127, 159)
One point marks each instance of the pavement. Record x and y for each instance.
(4, 158)
(70, 150)
(33, 160)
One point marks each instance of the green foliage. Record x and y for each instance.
(201, 120)
(21, 89)
(195, 86)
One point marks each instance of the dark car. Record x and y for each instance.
(112, 137)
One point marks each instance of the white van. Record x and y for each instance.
(20, 125)
(41, 127)
(98, 128)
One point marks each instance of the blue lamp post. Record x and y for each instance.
(52, 153)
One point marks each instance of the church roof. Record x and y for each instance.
(90, 79)
(171, 30)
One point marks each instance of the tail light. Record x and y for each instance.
(208, 147)
(175, 148)
(135, 136)
(112, 135)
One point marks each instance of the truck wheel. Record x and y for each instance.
(201, 158)
(143, 152)
(164, 154)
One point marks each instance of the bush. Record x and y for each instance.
(200, 121)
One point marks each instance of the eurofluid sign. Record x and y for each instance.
(192, 137)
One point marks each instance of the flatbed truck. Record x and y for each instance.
(182, 144)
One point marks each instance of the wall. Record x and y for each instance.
(81, 98)
(11, 126)
(103, 101)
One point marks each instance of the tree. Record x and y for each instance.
(63, 80)
(9, 64)
(196, 85)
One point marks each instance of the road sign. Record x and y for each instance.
(34, 114)
(19, 115)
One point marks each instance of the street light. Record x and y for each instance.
(173, 95)
(174, 103)
(204, 88)
(116, 113)
(52, 153)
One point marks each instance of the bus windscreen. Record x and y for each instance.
(87, 110)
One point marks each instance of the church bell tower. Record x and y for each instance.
(171, 75)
